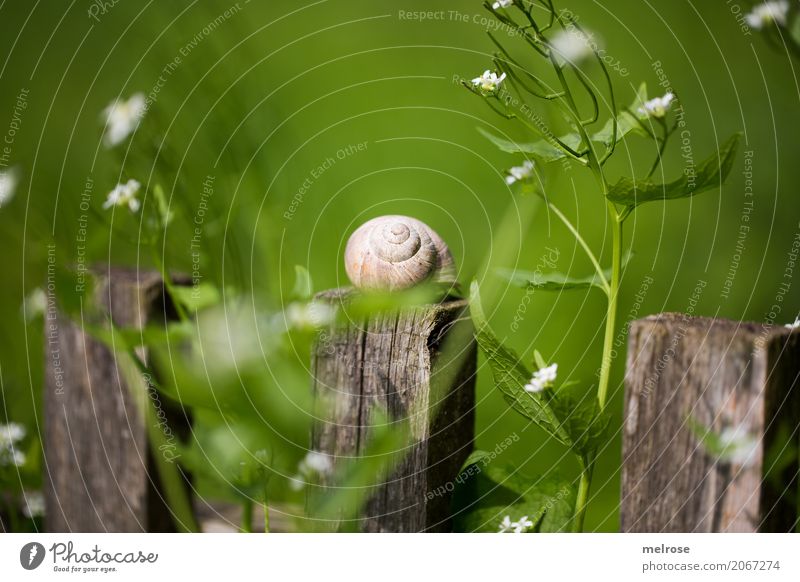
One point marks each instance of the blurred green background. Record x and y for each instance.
(266, 94)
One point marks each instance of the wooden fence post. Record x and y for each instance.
(394, 362)
(98, 475)
(686, 376)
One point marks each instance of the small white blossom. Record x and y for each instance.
(523, 525)
(502, 4)
(522, 172)
(542, 379)
(572, 45)
(11, 433)
(34, 504)
(35, 304)
(122, 118)
(505, 525)
(314, 463)
(794, 325)
(8, 185)
(488, 82)
(737, 446)
(657, 107)
(768, 13)
(124, 195)
(309, 315)
(520, 526)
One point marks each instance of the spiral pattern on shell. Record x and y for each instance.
(397, 252)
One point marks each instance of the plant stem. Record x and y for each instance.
(611, 313)
(247, 516)
(587, 463)
(583, 494)
(168, 470)
(583, 244)
(266, 510)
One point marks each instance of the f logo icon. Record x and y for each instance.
(31, 555)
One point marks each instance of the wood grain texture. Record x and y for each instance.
(98, 474)
(396, 363)
(685, 375)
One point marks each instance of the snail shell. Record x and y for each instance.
(397, 252)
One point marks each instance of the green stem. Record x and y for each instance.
(661, 150)
(266, 510)
(611, 313)
(583, 244)
(247, 516)
(583, 494)
(587, 463)
(169, 473)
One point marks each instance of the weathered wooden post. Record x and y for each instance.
(740, 381)
(99, 474)
(417, 365)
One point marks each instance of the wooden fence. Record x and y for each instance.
(711, 407)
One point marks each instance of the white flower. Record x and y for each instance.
(488, 82)
(737, 446)
(794, 325)
(520, 526)
(10, 435)
(8, 185)
(314, 463)
(317, 462)
(35, 304)
(542, 379)
(506, 525)
(124, 195)
(502, 4)
(308, 315)
(523, 525)
(572, 45)
(122, 118)
(657, 107)
(522, 172)
(768, 13)
(34, 504)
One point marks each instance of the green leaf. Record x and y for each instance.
(484, 499)
(549, 281)
(543, 150)
(303, 285)
(196, 297)
(581, 417)
(794, 28)
(151, 335)
(162, 206)
(709, 174)
(510, 375)
(540, 361)
(557, 281)
(626, 123)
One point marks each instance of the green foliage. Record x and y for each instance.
(710, 174)
(628, 121)
(542, 150)
(484, 499)
(303, 284)
(510, 374)
(197, 297)
(338, 508)
(581, 418)
(557, 281)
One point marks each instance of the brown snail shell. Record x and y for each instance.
(397, 252)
